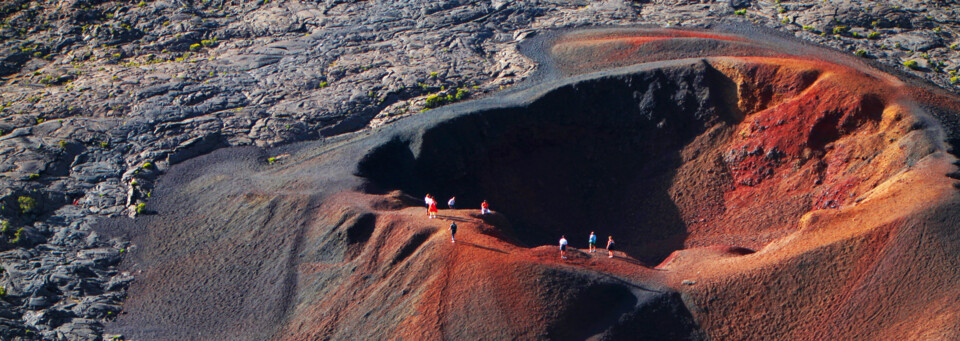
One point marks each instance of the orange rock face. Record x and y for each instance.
(757, 188)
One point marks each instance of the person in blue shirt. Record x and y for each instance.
(593, 242)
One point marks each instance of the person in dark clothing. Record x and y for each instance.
(453, 232)
(610, 246)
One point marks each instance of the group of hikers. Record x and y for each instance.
(592, 244)
(432, 211)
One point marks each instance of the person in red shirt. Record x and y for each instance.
(433, 209)
(484, 207)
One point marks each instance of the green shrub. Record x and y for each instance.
(860, 53)
(873, 35)
(3, 291)
(911, 64)
(271, 160)
(141, 207)
(4, 226)
(954, 80)
(27, 204)
(780, 9)
(104, 145)
(142, 4)
(433, 101)
(195, 47)
(434, 74)
(742, 11)
(33, 176)
(840, 29)
(324, 84)
(461, 94)
(807, 28)
(147, 165)
(63, 144)
(16, 236)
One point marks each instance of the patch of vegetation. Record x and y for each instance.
(4, 226)
(104, 145)
(873, 35)
(141, 207)
(912, 64)
(808, 28)
(742, 11)
(840, 30)
(195, 47)
(3, 291)
(16, 236)
(860, 53)
(437, 100)
(324, 84)
(434, 74)
(271, 160)
(785, 20)
(208, 42)
(147, 165)
(142, 4)
(27, 204)
(33, 176)
(954, 80)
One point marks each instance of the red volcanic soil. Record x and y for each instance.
(757, 191)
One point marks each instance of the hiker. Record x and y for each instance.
(452, 202)
(563, 247)
(484, 207)
(432, 210)
(453, 232)
(428, 200)
(593, 242)
(610, 246)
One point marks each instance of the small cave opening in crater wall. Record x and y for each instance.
(637, 156)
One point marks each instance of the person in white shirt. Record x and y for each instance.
(563, 247)
(428, 200)
(452, 202)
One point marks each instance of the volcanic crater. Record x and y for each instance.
(757, 189)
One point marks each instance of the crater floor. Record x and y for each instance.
(757, 188)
